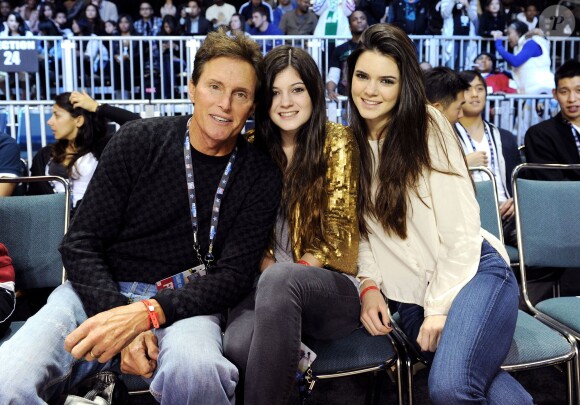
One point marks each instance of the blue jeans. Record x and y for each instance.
(476, 338)
(190, 368)
(292, 301)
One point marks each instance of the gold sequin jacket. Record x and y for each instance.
(340, 250)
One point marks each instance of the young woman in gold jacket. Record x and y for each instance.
(307, 286)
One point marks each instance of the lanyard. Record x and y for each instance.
(209, 258)
(575, 135)
(489, 142)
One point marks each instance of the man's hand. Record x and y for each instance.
(430, 332)
(140, 356)
(507, 209)
(374, 313)
(477, 158)
(104, 335)
(332, 94)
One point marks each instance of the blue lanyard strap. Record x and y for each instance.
(209, 258)
(574, 134)
(489, 142)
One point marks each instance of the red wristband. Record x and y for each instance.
(152, 314)
(363, 292)
(303, 262)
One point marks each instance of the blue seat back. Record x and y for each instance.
(32, 228)
(486, 195)
(549, 222)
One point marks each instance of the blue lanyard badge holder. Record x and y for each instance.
(179, 280)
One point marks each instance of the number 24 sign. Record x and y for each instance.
(18, 56)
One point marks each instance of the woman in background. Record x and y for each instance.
(530, 60)
(79, 126)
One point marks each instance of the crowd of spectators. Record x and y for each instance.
(198, 17)
(125, 62)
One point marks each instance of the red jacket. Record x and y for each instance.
(6, 268)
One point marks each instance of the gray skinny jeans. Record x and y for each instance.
(291, 301)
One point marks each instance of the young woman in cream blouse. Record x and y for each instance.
(421, 240)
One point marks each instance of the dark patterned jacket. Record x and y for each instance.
(134, 222)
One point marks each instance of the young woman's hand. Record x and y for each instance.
(84, 101)
(430, 332)
(374, 313)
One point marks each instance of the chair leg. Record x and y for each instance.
(400, 381)
(570, 374)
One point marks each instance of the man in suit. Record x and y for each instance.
(192, 20)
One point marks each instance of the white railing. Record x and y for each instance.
(134, 68)
(25, 121)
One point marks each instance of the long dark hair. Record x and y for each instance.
(88, 136)
(405, 152)
(304, 184)
(20, 21)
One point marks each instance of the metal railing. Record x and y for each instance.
(133, 68)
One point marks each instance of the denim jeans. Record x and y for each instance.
(190, 368)
(291, 301)
(476, 338)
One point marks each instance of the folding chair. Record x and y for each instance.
(549, 240)
(487, 199)
(356, 353)
(32, 229)
(535, 344)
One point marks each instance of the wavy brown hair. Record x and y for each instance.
(404, 153)
(305, 176)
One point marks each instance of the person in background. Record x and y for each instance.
(308, 274)
(92, 17)
(445, 90)
(263, 27)
(421, 240)
(333, 18)
(300, 21)
(247, 11)
(529, 16)
(5, 9)
(482, 144)
(10, 165)
(459, 19)
(220, 13)
(557, 140)
(168, 8)
(30, 14)
(192, 21)
(530, 60)
(492, 19)
(410, 15)
(498, 81)
(148, 24)
(80, 134)
(125, 58)
(283, 7)
(336, 79)
(7, 292)
(111, 28)
(107, 10)
(236, 26)
(173, 65)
